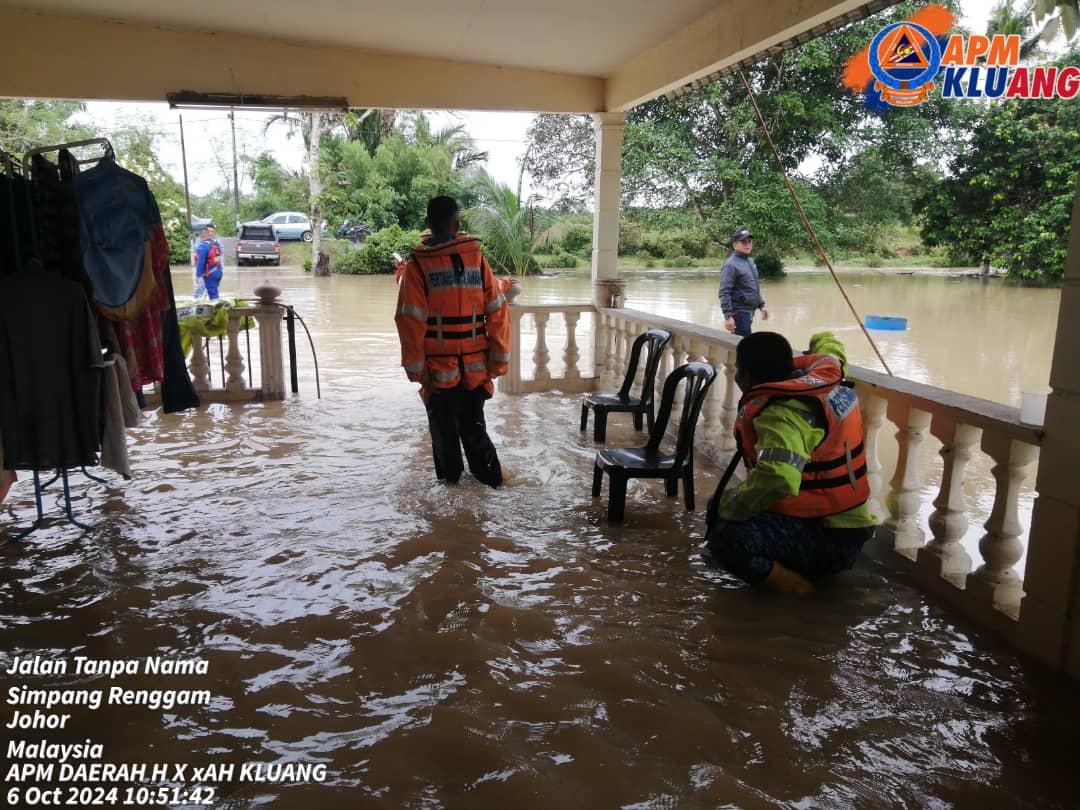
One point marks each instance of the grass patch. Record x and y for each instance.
(296, 253)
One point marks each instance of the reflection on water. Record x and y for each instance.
(451, 646)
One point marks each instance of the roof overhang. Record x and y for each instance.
(513, 56)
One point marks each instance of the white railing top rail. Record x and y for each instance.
(521, 309)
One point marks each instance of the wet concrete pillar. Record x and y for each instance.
(1050, 612)
(607, 289)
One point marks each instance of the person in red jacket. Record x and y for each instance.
(454, 328)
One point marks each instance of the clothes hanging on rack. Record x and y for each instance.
(120, 411)
(54, 219)
(50, 372)
(116, 214)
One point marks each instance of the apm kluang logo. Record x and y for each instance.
(904, 58)
(907, 61)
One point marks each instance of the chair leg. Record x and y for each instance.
(616, 507)
(597, 479)
(671, 486)
(638, 421)
(651, 419)
(688, 487)
(584, 416)
(599, 424)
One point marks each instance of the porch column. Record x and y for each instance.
(1050, 612)
(607, 289)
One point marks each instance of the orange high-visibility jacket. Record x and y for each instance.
(452, 318)
(834, 478)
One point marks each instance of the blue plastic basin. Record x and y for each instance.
(887, 322)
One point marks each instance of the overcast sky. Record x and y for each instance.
(208, 136)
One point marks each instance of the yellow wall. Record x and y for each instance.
(48, 56)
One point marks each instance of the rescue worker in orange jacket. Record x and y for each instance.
(801, 513)
(454, 327)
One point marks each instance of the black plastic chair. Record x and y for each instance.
(623, 463)
(602, 404)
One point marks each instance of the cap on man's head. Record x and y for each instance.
(742, 233)
(440, 210)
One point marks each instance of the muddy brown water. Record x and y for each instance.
(452, 646)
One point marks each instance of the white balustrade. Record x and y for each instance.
(541, 355)
(905, 495)
(944, 555)
(873, 410)
(571, 355)
(198, 366)
(996, 579)
(606, 334)
(918, 412)
(234, 360)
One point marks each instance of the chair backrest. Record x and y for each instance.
(698, 376)
(654, 341)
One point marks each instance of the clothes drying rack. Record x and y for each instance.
(41, 150)
(11, 166)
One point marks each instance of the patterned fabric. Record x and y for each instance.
(139, 341)
(748, 548)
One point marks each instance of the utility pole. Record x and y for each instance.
(187, 192)
(235, 174)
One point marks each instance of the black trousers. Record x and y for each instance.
(456, 420)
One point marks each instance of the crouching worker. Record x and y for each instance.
(801, 513)
(454, 327)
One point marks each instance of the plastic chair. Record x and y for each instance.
(624, 463)
(602, 404)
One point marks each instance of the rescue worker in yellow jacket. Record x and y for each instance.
(801, 513)
(454, 327)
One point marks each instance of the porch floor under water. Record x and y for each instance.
(454, 646)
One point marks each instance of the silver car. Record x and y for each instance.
(291, 225)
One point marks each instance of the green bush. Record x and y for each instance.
(578, 240)
(650, 244)
(630, 236)
(179, 243)
(376, 255)
(769, 265)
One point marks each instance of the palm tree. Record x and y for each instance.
(1026, 21)
(1067, 18)
(311, 126)
(503, 223)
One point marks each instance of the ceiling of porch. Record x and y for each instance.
(557, 55)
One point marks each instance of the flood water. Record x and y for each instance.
(453, 646)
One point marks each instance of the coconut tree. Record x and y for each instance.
(503, 222)
(1036, 21)
(311, 127)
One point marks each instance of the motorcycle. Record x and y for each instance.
(354, 231)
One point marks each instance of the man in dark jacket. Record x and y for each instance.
(740, 290)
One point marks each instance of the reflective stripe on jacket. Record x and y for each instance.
(451, 317)
(834, 477)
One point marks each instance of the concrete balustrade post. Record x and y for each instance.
(996, 581)
(944, 555)
(729, 408)
(905, 488)
(571, 355)
(271, 360)
(873, 410)
(541, 355)
(198, 366)
(234, 360)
